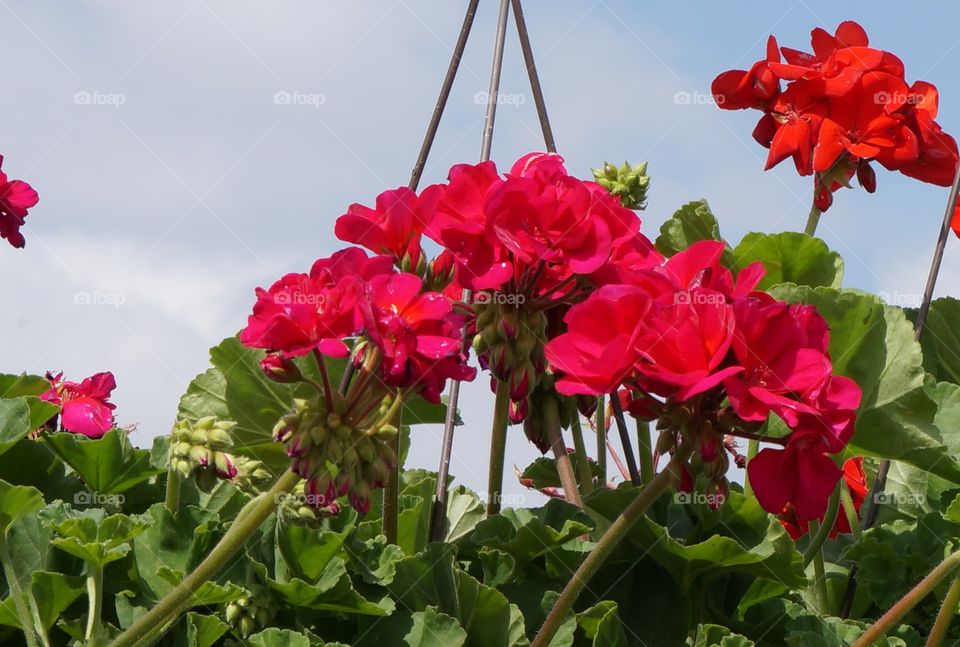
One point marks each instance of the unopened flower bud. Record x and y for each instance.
(280, 368)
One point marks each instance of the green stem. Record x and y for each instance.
(23, 615)
(645, 446)
(909, 601)
(819, 574)
(498, 448)
(819, 536)
(602, 439)
(561, 458)
(175, 602)
(947, 610)
(753, 447)
(610, 539)
(95, 598)
(813, 219)
(172, 498)
(391, 490)
(583, 463)
(853, 520)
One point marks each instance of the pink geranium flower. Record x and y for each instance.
(85, 408)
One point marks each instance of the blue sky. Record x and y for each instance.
(172, 183)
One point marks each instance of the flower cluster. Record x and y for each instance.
(709, 356)
(16, 197)
(403, 339)
(84, 407)
(840, 108)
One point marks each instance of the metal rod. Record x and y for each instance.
(884, 467)
(493, 91)
(625, 439)
(441, 104)
(438, 518)
(535, 86)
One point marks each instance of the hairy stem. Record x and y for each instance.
(819, 573)
(391, 490)
(813, 219)
(172, 498)
(853, 520)
(583, 463)
(602, 438)
(753, 448)
(561, 458)
(174, 603)
(23, 614)
(498, 447)
(910, 600)
(945, 616)
(645, 447)
(610, 539)
(95, 598)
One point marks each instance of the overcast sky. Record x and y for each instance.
(173, 181)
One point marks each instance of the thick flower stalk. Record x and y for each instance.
(401, 338)
(837, 110)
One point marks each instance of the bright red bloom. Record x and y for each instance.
(318, 310)
(394, 226)
(782, 348)
(801, 474)
(753, 88)
(797, 114)
(418, 334)
(598, 352)
(855, 480)
(16, 197)
(85, 407)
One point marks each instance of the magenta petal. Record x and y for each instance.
(87, 416)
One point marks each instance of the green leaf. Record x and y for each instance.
(874, 344)
(542, 473)
(17, 501)
(203, 630)
(53, 593)
(14, 386)
(333, 592)
(690, 224)
(790, 257)
(770, 556)
(274, 637)
(108, 465)
(941, 340)
(14, 422)
(601, 625)
(307, 552)
(427, 628)
(719, 636)
(96, 538)
(209, 594)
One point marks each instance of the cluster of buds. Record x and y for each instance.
(251, 476)
(247, 615)
(199, 448)
(629, 183)
(334, 457)
(708, 433)
(509, 342)
(295, 509)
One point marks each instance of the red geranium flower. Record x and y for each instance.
(855, 479)
(394, 226)
(85, 408)
(301, 312)
(417, 333)
(16, 197)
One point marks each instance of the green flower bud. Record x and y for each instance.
(629, 183)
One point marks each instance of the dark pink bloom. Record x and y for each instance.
(85, 407)
(16, 197)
